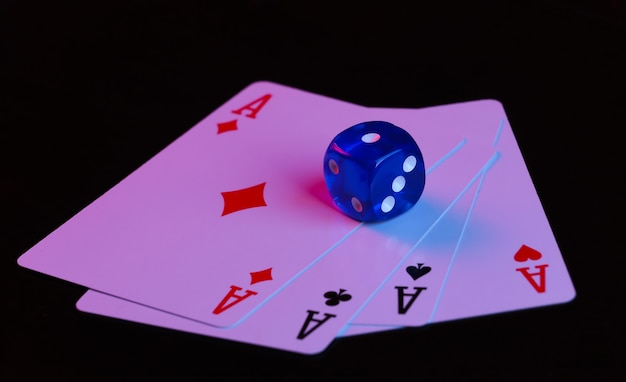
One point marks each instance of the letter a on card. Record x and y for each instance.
(253, 107)
(305, 331)
(540, 286)
(233, 297)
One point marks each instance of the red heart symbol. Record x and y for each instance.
(526, 253)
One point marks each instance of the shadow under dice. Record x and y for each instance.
(374, 171)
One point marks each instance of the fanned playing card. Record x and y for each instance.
(499, 254)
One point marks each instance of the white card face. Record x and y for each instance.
(499, 256)
(508, 258)
(215, 223)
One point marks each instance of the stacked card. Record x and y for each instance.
(230, 232)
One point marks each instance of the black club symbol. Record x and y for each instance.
(335, 298)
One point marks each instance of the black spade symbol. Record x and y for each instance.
(417, 272)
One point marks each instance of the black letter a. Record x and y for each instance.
(402, 308)
(304, 332)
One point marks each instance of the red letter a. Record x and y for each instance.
(224, 304)
(254, 107)
(541, 286)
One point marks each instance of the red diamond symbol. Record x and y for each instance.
(227, 126)
(242, 199)
(264, 275)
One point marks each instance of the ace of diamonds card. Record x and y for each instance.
(218, 221)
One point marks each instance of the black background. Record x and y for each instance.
(89, 90)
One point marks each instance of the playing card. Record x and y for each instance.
(501, 256)
(220, 220)
(509, 242)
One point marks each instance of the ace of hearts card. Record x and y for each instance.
(497, 251)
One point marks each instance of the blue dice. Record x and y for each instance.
(374, 171)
